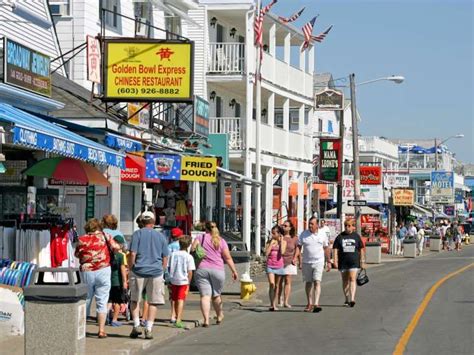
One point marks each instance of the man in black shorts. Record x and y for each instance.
(349, 256)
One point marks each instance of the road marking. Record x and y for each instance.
(402, 343)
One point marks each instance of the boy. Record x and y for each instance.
(181, 268)
(119, 283)
(176, 234)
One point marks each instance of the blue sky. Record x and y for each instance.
(428, 42)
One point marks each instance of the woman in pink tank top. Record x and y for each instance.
(274, 251)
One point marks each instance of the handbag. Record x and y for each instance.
(362, 277)
(199, 253)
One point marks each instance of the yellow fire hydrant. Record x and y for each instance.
(247, 287)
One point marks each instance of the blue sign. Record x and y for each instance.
(201, 116)
(121, 143)
(163, 166)
(449, 210)
(458, 196)
(442, 186)
(65, 147)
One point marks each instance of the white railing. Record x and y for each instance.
(230, 126)
(226, 58)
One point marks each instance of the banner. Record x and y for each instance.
(163, 166)
(26, 68)
(403, 197)
(139, 114)
(93, 59)
(370, 175)
(148, 70)
(330, 160)
(369, 193)
(396, 180)
(442, 187)
(198, 169)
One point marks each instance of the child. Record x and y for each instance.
(181, 268)
(176, 234)
(119, 282)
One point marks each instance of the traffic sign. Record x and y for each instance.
(359, 203)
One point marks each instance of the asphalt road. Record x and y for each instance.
(384, 308)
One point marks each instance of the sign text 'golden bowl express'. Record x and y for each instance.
(148, 71)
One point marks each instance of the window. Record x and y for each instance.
(173, 25)
(278, 121)
(60, 8)
(320, 124)
(110, 16)
(330, 129)
(144, 14)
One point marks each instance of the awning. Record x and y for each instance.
(135, 170)
(166, 6)
(422, 211)
(236, 177)
(350, 210)
(122, 143)
(323, 191)
(34, 132)
(294, 189)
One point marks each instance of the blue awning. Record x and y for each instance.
(122, 143)
(32, 131)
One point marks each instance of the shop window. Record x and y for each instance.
(127, 203)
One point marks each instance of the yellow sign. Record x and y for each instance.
(152, 70)
(139, 114)
(403, 197)
(198, 169)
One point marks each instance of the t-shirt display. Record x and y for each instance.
(349, 247)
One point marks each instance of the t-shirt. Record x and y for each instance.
(173, 246)
(313, 246)
(92, 250)
(180, 264)
(213, 258)
(117, 262)
(420, 234)
(412, 231)
(402, 233)
(349, 247)
(291, 244)
(150, 246)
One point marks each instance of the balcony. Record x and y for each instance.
(226, 59)
(230, 126)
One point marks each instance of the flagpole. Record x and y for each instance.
(258, 122)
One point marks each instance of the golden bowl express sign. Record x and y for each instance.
(150, 70)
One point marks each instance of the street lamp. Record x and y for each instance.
(459, 135)
(355, 139)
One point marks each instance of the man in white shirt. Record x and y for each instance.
(315, 255)
(412, 231)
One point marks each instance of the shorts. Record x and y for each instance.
(210, 282)
(313, 272)
(280, 271)
(117, 295)
(179, 292)
(291, 270)
(154, 286)
(352, 269)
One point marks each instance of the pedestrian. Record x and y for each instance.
(148, 260)
(420, 240)
(401, 235)
(349, 257)
(315, 255)
(174, 246)
(110, 226)
(94, 253)
(290, 258)
(412, 231)
(210, 274)
(457, 236)
(444, 235)
(119, 283)
(274, 250)
(181, 267)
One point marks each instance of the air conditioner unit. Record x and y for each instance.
(60, 9)
(142, 27)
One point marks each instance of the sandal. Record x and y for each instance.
(309, 308)
(102, 335)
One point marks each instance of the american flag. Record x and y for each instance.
(308, 32)
(258, 25)
(292, 18)
(319, 38)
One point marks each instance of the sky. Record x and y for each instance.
(429, 42)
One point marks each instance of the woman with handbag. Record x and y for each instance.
(94, 251)
(211, 252)
(349, 257)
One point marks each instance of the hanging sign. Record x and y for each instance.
(370, 175)
(201, 116)
(148, 70)
(449, 210)
(139, 114)
(442, 187)
(403, 197)
(329, 100)
(26, 68)
(93, 59)
(396, 180)
(198, 169)
(330, 160)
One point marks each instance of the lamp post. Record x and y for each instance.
(459, 135)
(355, 139)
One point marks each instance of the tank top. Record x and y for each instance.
(275, 259)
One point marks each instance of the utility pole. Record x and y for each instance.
(258, 122)
(355, 144)
(436, 154)
(341, 178)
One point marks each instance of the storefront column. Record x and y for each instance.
(222, 206)
(115, 186)
(246, 211)
(300, 205)
(285, 208)
(196, 200)
(210, 200)
(309, 198)
(268, 179)
(234, 225)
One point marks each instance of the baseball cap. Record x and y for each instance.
(147, 215)
(176, 232)
(119, 239)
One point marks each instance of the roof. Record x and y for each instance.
(322, 81)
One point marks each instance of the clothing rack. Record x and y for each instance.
(9, 223)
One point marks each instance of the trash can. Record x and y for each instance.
(409, 248)
(435, 243)
(241, 257)
(55, 314)
(373, 253)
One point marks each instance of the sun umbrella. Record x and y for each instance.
(67, 170)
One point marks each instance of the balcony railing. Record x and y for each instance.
(230, 126)
(226, 58)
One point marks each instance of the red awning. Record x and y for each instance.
(135, 170)
(294, 189)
